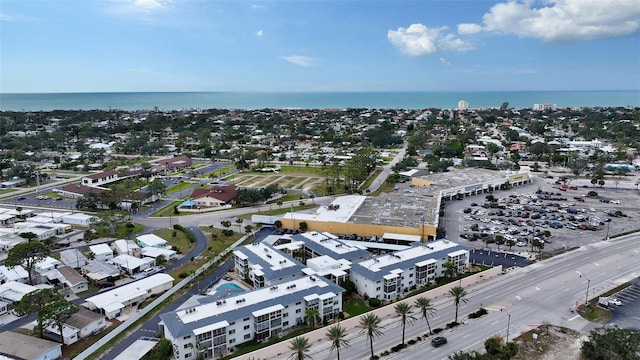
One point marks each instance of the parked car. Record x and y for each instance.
(21, 198)
(438, 341)
(614, 301)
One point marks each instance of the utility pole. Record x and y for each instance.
(508, 324)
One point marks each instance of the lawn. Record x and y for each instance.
(219, 172)
(179, 240)
(179, 187)
(254, 345)
(355, 307)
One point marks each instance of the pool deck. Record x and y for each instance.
(213, 289)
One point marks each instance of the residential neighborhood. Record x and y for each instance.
(330, 215)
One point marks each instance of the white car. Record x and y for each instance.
(614, 301)
(521, 243)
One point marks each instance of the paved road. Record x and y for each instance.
(386, 170)
(542, 292)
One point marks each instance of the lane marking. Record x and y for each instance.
(575, 317)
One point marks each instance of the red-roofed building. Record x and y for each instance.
(79, 190)
(175, 164)
(214, 196)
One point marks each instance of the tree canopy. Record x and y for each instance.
(27, 254)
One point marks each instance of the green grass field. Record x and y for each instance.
(355, 307)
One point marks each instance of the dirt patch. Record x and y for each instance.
(552, 342)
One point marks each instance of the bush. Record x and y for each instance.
(592, 193)
(437, 330)
(398, 347)
(411, 342)
(183, 275)
(478, 313)
(419, 338)
(374, 302)
(385, 353)
(452, 324)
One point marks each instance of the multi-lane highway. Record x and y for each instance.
(543, 292)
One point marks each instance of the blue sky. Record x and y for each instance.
(199, 45)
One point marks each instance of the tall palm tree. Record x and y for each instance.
(300, 347)
(336, 335)
(458, 294)
(311, 315)
(403, 310)
(426, 309)
(370, 325)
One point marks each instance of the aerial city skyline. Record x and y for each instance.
(274, 46)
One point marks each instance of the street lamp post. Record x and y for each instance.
(508, 323)
(586, 296)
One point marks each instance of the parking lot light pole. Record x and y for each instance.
(508, 324)
(586, 296)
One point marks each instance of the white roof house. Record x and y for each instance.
(132, 264)
(101, 251)
(73, 258)
(9, 240)
(126, 247)
(13, 291)
(47, 264)
(154, 252)
(98, 270)
(78, 219)
(151, 240)
(110, 303)
(16, 273)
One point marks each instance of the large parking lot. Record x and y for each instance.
(545, 211)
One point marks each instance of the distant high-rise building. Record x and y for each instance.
(463, 105)
(542, 107)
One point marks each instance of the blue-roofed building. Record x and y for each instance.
(389, 276)
(223, 321)
(266, 266)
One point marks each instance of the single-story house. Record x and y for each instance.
(131, 264)
(16, 273)
(79, 326)
(126, 247)
(74, 258)
(72, 280)
(79, 219)
(215, 196)
(13, 291)
(9, 240)
(100, 271)
(152, 241)
(100, 178)
(154, 252)
(112, 302)
(101, 252)
(26, 347)
(47, 264)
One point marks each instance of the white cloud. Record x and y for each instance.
(256, 7)
(299, 60)
(5, 17)
(140, 6)
(417, 40)
(464, 29)
(564, 20)
(259, 33)
(445, 62)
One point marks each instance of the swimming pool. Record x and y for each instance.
(228, 286)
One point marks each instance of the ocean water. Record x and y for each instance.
(311, 100)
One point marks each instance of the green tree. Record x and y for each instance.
(57, 313)
(277, 224)
(248, 229)
(161, 260)
(370, 325)
(611, 343)
(157, 187)
(427, 310)
(403, 310)
(450, 269)
(239, 221)
(303, 226)
(300, 347)
(458, 294)
(337, 335)
(36, 302)
(28, 235)
(27, 254)
(311, 317)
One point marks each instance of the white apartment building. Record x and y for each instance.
(265, 265)
(219, 323)
(389, 276)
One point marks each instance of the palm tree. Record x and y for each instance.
(311, 315)
(300, 347)
(450, 269)
(370, 324)
(426, 309)
(403, 310)
(458, 294)
(336, 335)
